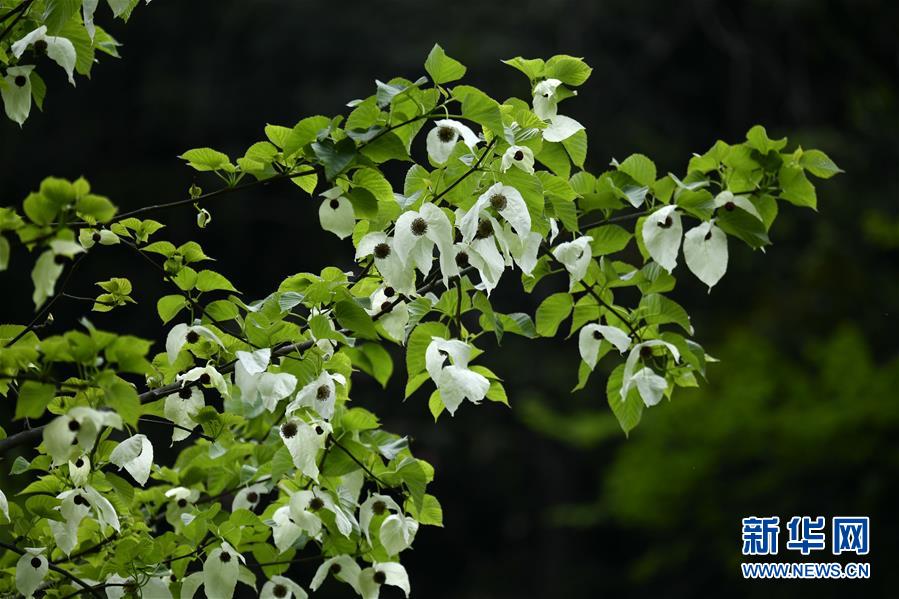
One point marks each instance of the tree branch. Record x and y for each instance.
(55, 568)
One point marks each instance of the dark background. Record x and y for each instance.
(550, 499)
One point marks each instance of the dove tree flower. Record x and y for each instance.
(649, 385)
(705, 252)
(76, 431)
(662, 234)
(388, 261)
(281, 587)
(342, 567)
(319, 395)
(135, 455)
(182, 334)
(575, 256)
(180, 408)
(257, 385)
(16, 93)
(303, 441)
(547, 95)
(442, 139)
(520, 157)
(373, 578)
(507, 202)
(416, 234)
(60, 50)
(447, 365)
(336, 213)
(31, 570)
(592, 336)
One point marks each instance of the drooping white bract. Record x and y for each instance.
(31, 569)
(88, 238)
(206, 375)
(388, 261)
(575, 256)
(342, 567)
(75, 505)
(371, 579)
(397, 533)
(304, 441)
(181, 334)
(392, 312)
(729, 201)
(662, 233)
(16, 93)
(59, 49)
(415, 235)
(116, 588)
(320, 395)
(4, 505)
(248, 497)
(79, 470)
(181, 407)
(518, 156)
(221, 571)
(441, 140)
(181, 500)
(76, 432)
(523, 250)
(257, 385)
(705, 251)
(649, 385)
(375, 505)
(591, 337)
(507, 201)
(336, 213)
(322, 499)
(135, 454)
(280, 587)
(546, 100)
(302, 513)
(285, 531)
(447, 364)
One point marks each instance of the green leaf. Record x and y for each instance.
(551, 312)
(567, 69)
(44, 507)
(208, 280)
(335, 156)
(640, 168)
(430, 513)
(629, 411)
(352, 316)
(442, 68)
(797, 189)
(33, 399)
(168, 306)
(480, 108)
(609, 239)
(373, 359)
(758, 139)
(95, 209)
(418, 343)
(359, 419)
(531, 67)
(819, 164)
(206, 159)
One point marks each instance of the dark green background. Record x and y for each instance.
(550, 499)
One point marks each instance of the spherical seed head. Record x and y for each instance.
(379, 507)
(485, 229)
(204, 378)
(319, 430)
(79, 500)
(708, 235)
(389, 292)
(173, 578)
(279, 591)
(729, 206)
(322, 393)
(225, 557)
(446, 134)
(335, 568)
(192, 337)
(289, 429)
(334, 204)
(20, 80)
(74, 425)
(518, 155)
(597, 335)
(316, 504)
(462, 259)
(79, 463)
(184, 393)
(379, 577)
(419, 226)
(382, 250)
(59, 259)
(498, 202)
(96, 237)
(645, 351)
(36, 562)
(666, 223)
(182, 502)
(40, 46)
(386, 307)
(252, 496)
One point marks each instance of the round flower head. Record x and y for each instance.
(520, 157)
(416, 234)
(281, 587)
(441, 140)
(388, 261)
(507, 202)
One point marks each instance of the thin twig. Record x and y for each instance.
(55, 568)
